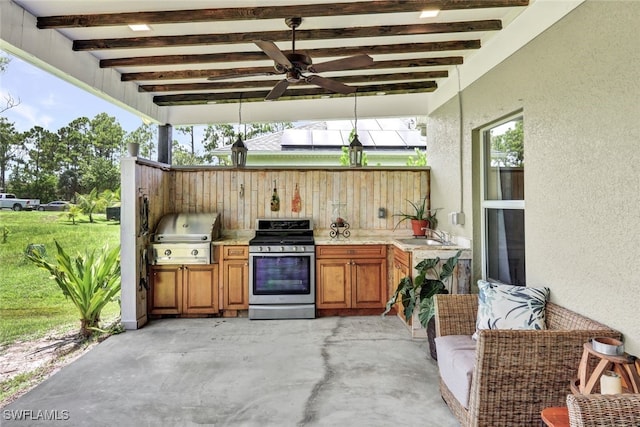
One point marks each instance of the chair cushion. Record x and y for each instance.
(511, 307)
(456, 361)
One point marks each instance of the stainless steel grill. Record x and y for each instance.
(185, 238)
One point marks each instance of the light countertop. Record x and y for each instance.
(403, 242)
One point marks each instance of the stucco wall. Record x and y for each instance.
(578, 86)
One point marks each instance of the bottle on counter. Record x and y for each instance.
(275, 199)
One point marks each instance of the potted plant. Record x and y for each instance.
(430, 280)
(418, 217)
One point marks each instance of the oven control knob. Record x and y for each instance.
(167, 252)
(194, 252)
(281, 248)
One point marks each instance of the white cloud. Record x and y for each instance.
(25, 115)
(50, 101)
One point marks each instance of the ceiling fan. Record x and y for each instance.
(294, 64)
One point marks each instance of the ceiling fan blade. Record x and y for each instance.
(357, 61)
(332, 85)
(277, 90)
(274, 52)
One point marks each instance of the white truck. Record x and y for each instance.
(10, 201)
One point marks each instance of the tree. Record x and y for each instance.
(10, 101)
(508, 148)
(182, 156)
(100, 174)
(188, 130)
(10, 144)
(89, 203)
(216, 136)
(107, 137)
(145, 135)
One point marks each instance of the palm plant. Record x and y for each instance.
(90, 281)
(73, 212)
(89, 203)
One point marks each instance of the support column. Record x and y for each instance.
(132, 295)
(165, 139)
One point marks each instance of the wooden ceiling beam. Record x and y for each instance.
(247, 13)
(270, 71)
(314, 53)
(315, 34)
(185, 87)
(254, 96)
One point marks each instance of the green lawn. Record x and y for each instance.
(31, 304)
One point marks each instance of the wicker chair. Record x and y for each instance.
(517, 373)
(597, 410)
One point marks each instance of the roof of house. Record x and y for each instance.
(375, 134)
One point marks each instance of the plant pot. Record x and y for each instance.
(431, 337)
(133, 148)
(418, 226)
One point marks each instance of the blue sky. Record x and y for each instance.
(50, 102)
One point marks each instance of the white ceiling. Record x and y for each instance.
(51, 49)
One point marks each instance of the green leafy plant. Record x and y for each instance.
(90, 281)
(419, 212)
(430, 280)
(420, 160)
(5, 234)
(73, 213)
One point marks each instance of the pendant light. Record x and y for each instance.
(355, 146)
(238, 149)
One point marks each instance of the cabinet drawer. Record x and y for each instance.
(401, 257)
(351, 251)
(235, 252)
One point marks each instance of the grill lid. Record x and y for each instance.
(188, 227)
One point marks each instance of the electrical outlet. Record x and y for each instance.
(382, 213)
(457, 218)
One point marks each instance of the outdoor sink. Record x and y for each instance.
(422, 242)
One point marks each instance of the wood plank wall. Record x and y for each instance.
(217, 189)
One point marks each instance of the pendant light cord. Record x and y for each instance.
(240, 115)
(355, 111)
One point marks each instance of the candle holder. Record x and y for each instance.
(339, 226)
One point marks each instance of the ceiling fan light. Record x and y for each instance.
(139, 27)
(429, 13)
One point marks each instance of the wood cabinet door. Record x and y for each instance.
(166, 289)
(400, 271)
(200, 289)
(235, 278)
(333, 283)
(369, 283)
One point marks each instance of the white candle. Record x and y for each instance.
(610, 383)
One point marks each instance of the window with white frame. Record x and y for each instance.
(502, 200)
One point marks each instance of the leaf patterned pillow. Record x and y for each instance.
(511, 307)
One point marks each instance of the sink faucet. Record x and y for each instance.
(439, 236)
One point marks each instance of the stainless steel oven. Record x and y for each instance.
(282, 270)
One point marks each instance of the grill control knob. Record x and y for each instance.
(194, 252)
(167, 252)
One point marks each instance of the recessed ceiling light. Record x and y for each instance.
(429, 13)
(139, 27)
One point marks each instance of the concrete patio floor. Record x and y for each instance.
(332, 371)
